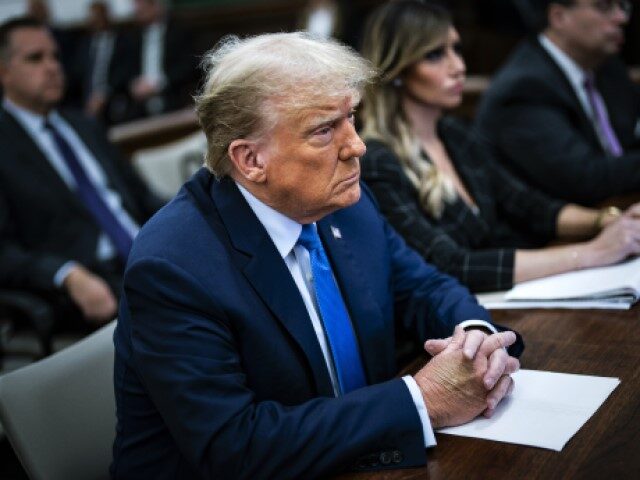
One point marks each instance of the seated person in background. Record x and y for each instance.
(69, 205)
(437, 184)
(156, 66)
(255, 337)
(563, 113)
(95, 64)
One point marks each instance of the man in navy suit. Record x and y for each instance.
(256, 331)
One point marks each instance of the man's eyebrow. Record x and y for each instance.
(322, 120)
(318, 121)
(33, 55)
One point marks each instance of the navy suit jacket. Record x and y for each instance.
(218, 371)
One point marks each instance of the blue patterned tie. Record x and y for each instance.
(90, 197)
(342, 339)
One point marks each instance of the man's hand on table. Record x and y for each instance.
(467, 376)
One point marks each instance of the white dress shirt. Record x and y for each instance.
(284, 233)
(153, 61)
(102, 44)
(34, 126)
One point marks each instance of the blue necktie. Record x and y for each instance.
(91, 198)
(342, 339)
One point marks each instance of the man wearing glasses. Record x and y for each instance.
(562, 112)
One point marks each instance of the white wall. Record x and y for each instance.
(64, 12)
(9, 8)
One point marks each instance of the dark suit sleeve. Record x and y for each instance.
(186, 353)
(480, 270)
(19, 267)
(541, 142)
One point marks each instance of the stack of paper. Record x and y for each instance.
(545, 409)
(613, 287)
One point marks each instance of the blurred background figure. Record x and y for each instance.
(322, 18)
(94, 66)
(562, 112)
(440, 187)
(39, 9)
(158, 65)
(70, 206)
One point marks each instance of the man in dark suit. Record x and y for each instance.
(155, 66)
(562, 112)
(69, 205)
(95, 62)
(255, 337)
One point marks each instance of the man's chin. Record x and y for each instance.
(352, 195)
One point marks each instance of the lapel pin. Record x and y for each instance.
(336, 232)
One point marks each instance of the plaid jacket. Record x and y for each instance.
(478, 248)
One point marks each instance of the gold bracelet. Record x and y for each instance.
(602, 214)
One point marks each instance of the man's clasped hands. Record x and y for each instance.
(468, 375)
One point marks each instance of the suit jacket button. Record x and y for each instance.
(396, 456)
(385, 458)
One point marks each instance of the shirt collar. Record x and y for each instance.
(30, 120)
(571, 69)
(283, 231)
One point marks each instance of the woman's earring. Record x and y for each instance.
(397, 82)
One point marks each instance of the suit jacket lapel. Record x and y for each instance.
(363, 308)
(31, 154)
(268, 274)
(567, 90)
(113, 176)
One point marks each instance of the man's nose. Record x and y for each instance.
(53, 63)
(353, 145)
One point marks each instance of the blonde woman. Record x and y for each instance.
(436, 181)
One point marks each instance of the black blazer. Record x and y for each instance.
(478, 248)
(533, 117)
(42, 222)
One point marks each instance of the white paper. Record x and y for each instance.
(545, 409)
(496, 301)
(593, 282)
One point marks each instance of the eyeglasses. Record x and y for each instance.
(608, 7)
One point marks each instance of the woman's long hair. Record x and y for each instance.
(397, 35)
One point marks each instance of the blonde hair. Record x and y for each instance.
(249, 83)
(397, 35)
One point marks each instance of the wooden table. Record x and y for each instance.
(604, 343)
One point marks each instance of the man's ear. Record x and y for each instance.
(244, 155)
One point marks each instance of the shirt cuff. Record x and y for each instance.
(63, 271)
(478, 323)
(416, 395)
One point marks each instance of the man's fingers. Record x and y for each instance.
(497, 341)
(457, 340)
(502, 388)
(513, 365)
(472, 343)
(500, 363)
(435, 346)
